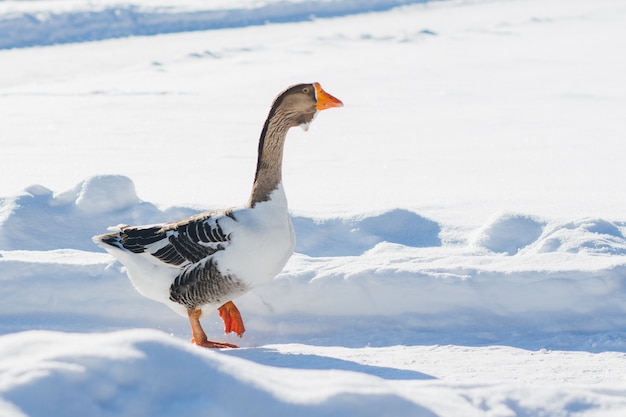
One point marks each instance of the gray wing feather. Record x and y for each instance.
(204, 284)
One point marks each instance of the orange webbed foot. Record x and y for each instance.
(199, 336)
(232, 319)
(214, 345)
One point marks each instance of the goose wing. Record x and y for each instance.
(188, 245)
(178, 244)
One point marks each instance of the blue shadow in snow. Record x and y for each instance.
(117, 21)
(272, 357)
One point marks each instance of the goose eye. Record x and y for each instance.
(306, 90)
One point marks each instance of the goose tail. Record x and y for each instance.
(110, 239)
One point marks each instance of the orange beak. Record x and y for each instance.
(325, 100)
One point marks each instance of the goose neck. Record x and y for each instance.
(268, 175)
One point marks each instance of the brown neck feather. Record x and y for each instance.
(270, 160)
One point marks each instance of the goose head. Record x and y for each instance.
(298, 105)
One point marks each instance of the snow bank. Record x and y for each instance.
(73, 291)
(39, 219)
(143, 372)
(138, 373)
(518, 275)
(48, 22)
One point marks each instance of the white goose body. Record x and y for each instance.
(203, 262)
(267, 241)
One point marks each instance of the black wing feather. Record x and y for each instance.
(188, 241)
(169, 255)
(135, 239)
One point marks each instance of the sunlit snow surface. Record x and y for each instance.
(461, 236)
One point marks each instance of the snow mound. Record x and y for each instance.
(583, 236)
(353, 236)
(517, 233)
(94, 195)
(147, 373)
(508, 233)
(38, 219)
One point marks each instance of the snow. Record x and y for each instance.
(461, 239)
(32, 23)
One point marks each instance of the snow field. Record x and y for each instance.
(461, 241)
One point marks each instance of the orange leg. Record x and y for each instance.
(232, 319)
(199, 337)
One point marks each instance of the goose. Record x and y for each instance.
(205, 261)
